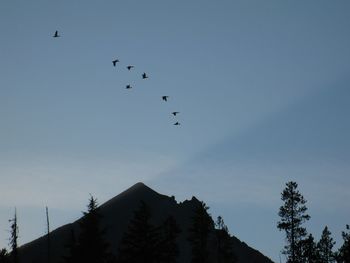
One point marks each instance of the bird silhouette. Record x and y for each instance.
(56, 34)
(115, 62)
(165, 98)
(128, 87)
(129, 67)
(175, 113)
(144, 76)
(177, 123)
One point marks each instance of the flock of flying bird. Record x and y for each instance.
(144, 76)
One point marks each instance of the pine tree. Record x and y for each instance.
(293, 215)
(14, 239)
(141, 240)
(202, 224)
(309, 252)
(90, 246)
(325, 246)
(224, 244)
(344, 250)
(168, 247)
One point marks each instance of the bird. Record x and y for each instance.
(129, 67)
(144, 76)
(165, 98)
(175, 113)
(177, 123)
(115, 62)
(56, 34)
(128, 86)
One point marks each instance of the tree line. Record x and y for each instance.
(301, 246)
(142, 242)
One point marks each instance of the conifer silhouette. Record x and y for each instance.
(90, 246)
(202, 224)
(224, 251)
(325, 253)
(309, 250)
(14, 239)
(141, 240)
(293, 215)
(344, 250)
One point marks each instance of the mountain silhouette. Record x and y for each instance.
(116, 214)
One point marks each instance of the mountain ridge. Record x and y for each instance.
(116, 214)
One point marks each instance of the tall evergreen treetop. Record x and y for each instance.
(220, 224)
(90, 246)
(14, 239)
(344, 251)
(202, 224)
(292, 216)
(309, 250)
(325, 246)
(224, 251)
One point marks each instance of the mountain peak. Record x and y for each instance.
(138, 185)
(138, 191)
(139, 188)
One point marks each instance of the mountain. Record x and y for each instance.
(116, 214)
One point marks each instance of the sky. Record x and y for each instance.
(262, 88)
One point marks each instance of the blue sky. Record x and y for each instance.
(262, 88)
